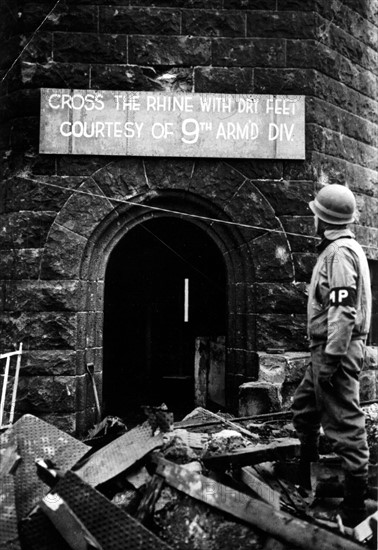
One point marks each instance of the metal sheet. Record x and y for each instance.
(38, 439)
(106, 122)
(119, 455)
(113, 528)
(8, 517)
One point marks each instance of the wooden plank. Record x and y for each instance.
(68, 524)
(255, 512)
(278, 450)
(119, 455)
(364, 531)
(260, 488)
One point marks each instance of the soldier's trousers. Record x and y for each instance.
(337, 411)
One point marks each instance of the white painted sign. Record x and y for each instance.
(104, 122)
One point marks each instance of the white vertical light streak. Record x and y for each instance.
(186, 300)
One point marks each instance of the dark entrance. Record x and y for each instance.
(165, 284)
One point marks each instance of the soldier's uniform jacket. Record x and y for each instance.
(339, 303)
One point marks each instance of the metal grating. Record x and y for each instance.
(8, 517)
(113, 528)
(38, 439)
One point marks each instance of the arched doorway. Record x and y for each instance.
(165, 284)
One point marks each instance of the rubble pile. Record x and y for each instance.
(208, 482)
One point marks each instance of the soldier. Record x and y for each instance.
(339, 310)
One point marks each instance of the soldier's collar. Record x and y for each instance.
(331, 235)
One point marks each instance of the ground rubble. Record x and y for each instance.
(207, 482)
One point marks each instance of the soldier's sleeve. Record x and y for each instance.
(342, 277)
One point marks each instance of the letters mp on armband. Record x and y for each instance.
(343, 296)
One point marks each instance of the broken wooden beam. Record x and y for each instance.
(266, 493)
(275, 523)
(278, 450)
(119, 455)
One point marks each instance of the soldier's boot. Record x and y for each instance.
(353, 508)
(309, 452)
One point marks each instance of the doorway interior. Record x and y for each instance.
(165, 284)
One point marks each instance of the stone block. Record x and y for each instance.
(367, 210)
(230, 80)
(258, 398)
(210, 23)
(259, 169)
(26, 194)
(62, 255)
(25, 229)
(250, 4)
(280, 297)
(288, 197)
(49, 363)
(52, 75)
(40, 49)
(38, 330)
(208, 4)
(272, 368)
(122, 179)
(287, 332)
(248, 203)
(273, 260)
(89, 48)
(296, 226)
(20, 263)
(23, 103)
(281, 24)
(368, 385)
(295, 81)
(49, 394)
(169, 173)
(69, 166)
(169, 50)
(119, 77)
(44, 296)
(25, 134)
(371, 358)
(248, 52)
(84, 211)
(65, 17)
(126, 20)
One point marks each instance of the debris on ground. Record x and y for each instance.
(208, 482)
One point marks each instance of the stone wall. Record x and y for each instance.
(51, 285)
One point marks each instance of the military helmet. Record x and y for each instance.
(334, 204)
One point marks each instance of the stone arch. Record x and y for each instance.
(129, 191)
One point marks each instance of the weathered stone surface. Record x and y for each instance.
(367, 210)
(65, 422)
(259, 169)
(63, 254)
(250, 4)
(46, 394)
(303, 266)
(281, 24)
(39, 49)
(84, 211)
(280, 298)
(119, 77)
(281, 331)
(64, 17)
(371, 358)
(258, 398)
(248, 52)
(36, 193)
(210, 23)
(368, 237)
(25, 229)
(368, 385)
(166, 50)
(248, 205)
(44, 296)
(241, 331)
(133, 20)
(169, 173)
(296, 226)
(20, 263)
(25, 134)
(214, 4)
(273, 260)
(80, 165)
(223, 80)
(38, 330)
(49, 363)
(284, 81)
(215, 181)
(19, 104)
(52, 75)
(122, 179)
(89, 48)
(288, 197)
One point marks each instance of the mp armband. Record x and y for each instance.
(343, 296)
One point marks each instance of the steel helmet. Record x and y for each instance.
(334, 204)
